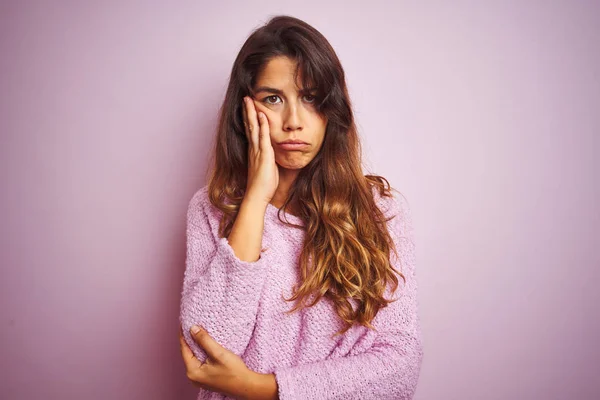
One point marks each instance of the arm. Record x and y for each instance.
(220, 290)
(390, 368)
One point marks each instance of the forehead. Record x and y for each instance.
(279, 73)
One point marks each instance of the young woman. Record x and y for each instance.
(293, 254)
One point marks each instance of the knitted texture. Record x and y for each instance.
(241, 306)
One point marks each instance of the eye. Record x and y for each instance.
(312, 98)
(266, 99)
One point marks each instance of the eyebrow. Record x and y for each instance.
(279, 91)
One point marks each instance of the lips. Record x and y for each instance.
(293, 145)
(293, 141)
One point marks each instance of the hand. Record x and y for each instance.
(263, 174)
(223, 371)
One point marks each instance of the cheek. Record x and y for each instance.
(321, 135)
(272, 116)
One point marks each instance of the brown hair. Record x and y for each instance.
(346, 253)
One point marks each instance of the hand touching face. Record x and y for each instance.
(291, 114)
(263, 174)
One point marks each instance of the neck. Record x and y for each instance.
(286, 179)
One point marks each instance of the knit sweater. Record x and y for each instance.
(241, 305)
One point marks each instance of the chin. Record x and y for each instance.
(292, 165)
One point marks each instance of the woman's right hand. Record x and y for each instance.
(263, 175)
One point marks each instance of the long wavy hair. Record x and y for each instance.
(346, 252)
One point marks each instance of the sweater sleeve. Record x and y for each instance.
(391, 367)
(220, 292)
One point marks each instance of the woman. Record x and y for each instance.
(293, 254)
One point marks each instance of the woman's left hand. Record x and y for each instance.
(223, 371)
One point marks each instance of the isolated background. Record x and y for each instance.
(484, 114)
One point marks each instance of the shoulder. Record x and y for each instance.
(200, 210)
(397, 210)
(395, 206)
(199, 198)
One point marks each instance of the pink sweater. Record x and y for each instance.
(240, 304)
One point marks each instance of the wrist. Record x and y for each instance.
(255, 199)
(262, 386)
(254, 204)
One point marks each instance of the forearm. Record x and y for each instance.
(247, 231)
(380, 373)
(221, 290)
(262, 386)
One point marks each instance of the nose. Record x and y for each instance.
(291, 118)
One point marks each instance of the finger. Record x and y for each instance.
(252, 122)
(186, 352)
(192, 365)
(212, 348)
(265, 132)
(190, 361)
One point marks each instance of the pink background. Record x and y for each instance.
(485, 114)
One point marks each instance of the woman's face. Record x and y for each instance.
(291, 113)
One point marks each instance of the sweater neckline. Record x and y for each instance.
(273, 211)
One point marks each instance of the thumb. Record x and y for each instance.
(212, 348)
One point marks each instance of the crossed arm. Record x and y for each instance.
(389, 369)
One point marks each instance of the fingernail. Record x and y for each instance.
(195, 329)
